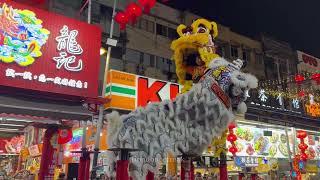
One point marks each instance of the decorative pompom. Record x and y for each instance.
(242, 108)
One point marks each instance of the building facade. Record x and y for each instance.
(144, 48)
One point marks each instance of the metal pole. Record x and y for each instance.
(101, 107)
(89, 12)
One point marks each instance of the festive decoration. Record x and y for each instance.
(133, 11)
(232, 138)
(299, 79)
(147, 5)
(186, 125)
(316, 78)
(22, 36)
(302, 146)
(122, 19)
(262, 95)
(64, 136)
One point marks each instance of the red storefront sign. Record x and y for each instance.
(48, 52)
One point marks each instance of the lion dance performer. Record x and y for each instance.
(188, 123)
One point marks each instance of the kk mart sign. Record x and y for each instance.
(129, 91)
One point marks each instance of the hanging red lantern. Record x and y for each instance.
(316, 78)
(64, 136)
(122, 19)
(299, 79)
(147, 5)
(301, 93)
(303, 146)
(233, 150)
(232, 125)
(301, 134)
(133, 11)
(304, 156)
(232, 137)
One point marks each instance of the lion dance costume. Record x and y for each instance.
(188, 123)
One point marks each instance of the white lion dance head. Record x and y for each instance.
(185, 125)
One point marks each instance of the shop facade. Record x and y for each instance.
(49, 69)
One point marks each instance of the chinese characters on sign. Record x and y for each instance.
(280, 99)
(313, 109)
(295, 103)
(43, 79)
(247, 161)
(68, 49)
(262, 95)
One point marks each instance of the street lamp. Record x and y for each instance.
(102, 51)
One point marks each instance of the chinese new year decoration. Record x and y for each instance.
(133, 11)
(302, 146)
(316, 78)
(232, 138)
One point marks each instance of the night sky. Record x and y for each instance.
(293, 21)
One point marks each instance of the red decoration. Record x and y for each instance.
(122, 19)
(316, 77)
(302, 146)
(232, 138)
(301, 134)
(301, 94)
(133, 11)
(147, 5)
(299, 79)
(65, 135)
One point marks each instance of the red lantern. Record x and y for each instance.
(232, 125)
(64, 136)
(133, 11)
(122, 19)
(299, 79)
(303, 146)
(304, 156)
(316, 77)
(232, 137)
(301, 94)
(301, 134)
(233, 150)
(147, 5)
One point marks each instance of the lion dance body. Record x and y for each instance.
(188, 123)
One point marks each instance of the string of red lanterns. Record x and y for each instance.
(133, 11)
(302, 146)
(232, 138)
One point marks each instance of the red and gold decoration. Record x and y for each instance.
(232, 138)
(302, 146)
(133, 12)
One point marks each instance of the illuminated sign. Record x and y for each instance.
(247, 161)
(313, 109)
(129, 91)
(48, 52)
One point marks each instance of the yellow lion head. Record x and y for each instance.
(194, 47)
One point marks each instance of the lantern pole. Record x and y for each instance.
(101, 107)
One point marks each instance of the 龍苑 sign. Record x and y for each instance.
(48, 52)
(129, 91)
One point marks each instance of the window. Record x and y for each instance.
(259, 59)
(159, 63)
(146, 59)
(117, 52)
(143, 24)
(133, 56)
(162, 30)
(234, 51)
(246, 55)
(221, 51)
(152, 61)
(150, 27)
(172, 33)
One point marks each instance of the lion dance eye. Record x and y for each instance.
(202, 30)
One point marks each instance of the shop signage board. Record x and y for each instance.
(129, 91)
(270, 143)
(307, 62)
(48, 52)
(313, 109)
